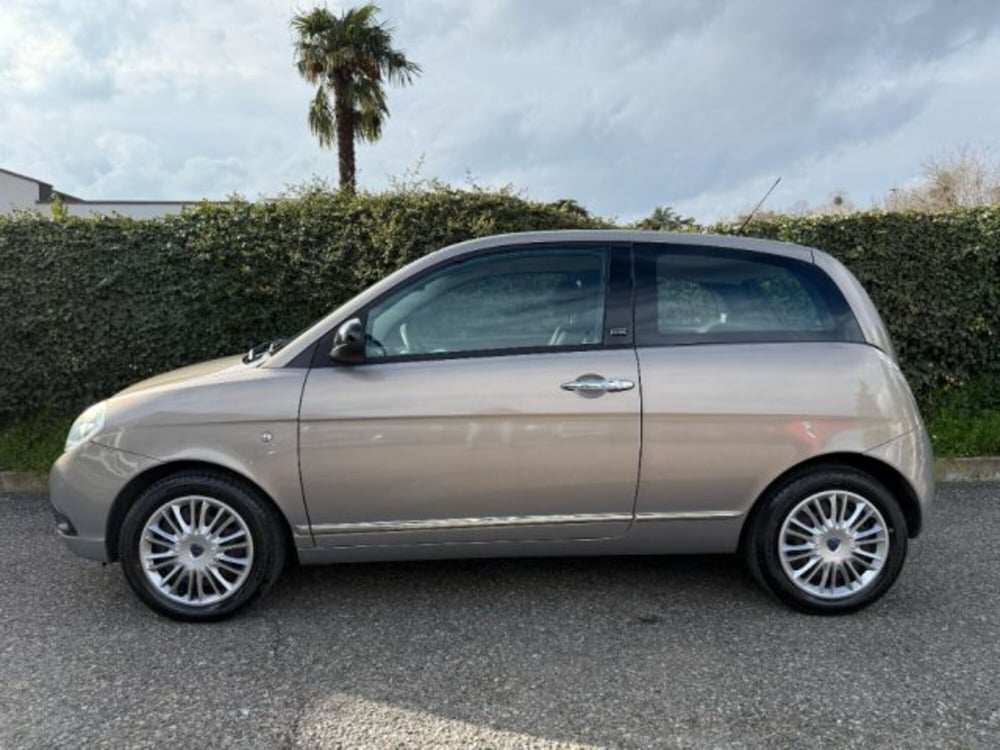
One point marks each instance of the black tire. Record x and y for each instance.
(762, 537)
(270, 548)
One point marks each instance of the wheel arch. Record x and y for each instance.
(139, 483)
(893, 480)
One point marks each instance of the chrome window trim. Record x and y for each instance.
(452, 524)
(288, 355)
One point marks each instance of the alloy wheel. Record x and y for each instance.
(196, 550)
(833, 544)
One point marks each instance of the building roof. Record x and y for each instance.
(24, 177)
(45, 190)
(46, 193)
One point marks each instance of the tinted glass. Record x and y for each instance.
(511, 300)
(718, 295)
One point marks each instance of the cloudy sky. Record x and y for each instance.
(621, 105)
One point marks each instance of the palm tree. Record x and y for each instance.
(349, 56)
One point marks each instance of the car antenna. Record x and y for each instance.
(757, 207)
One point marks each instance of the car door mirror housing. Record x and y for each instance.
(349, 342)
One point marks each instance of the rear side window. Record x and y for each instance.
(717, 295)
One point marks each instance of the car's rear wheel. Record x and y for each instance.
(200, 546)
(829, 541)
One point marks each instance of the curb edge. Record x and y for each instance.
(24, 481)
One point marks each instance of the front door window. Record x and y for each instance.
(541, 300)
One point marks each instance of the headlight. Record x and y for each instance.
(87, 424)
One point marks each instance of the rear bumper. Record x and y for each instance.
(83, 485)
(911, 456)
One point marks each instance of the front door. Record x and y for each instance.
(488, 409)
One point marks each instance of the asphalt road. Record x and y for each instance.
(643, 652)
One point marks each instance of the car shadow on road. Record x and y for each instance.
(619, 583)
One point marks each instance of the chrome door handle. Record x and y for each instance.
(614, 385)
(591, 384)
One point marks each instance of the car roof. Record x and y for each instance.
(771, 247)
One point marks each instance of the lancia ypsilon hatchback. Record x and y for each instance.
(552, 393)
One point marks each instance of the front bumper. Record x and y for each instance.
(83, 485)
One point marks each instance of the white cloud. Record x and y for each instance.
(620, 105)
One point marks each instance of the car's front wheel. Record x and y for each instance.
(200, 546)
(830, 541)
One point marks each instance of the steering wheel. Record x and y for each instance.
(710, 326)
(369, 339)
(411, 340)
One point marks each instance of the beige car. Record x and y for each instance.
(552, 393)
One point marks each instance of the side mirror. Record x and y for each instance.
(349, 342)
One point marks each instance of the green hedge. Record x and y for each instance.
(935, 278)
(90, 305)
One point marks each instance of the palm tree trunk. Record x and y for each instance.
(344, 117)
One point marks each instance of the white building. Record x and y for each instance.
(17, 191)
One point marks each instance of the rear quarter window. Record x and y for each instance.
(718, 295)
